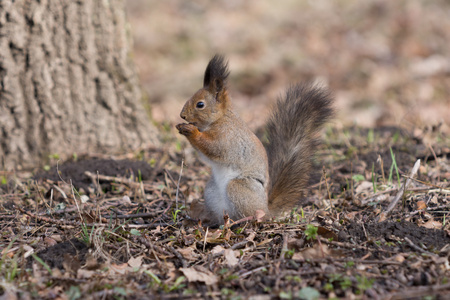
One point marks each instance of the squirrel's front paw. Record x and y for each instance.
(186, 129)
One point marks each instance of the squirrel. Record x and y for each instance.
(246, 176)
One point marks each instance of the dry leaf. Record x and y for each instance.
(382, 217)
(188, 253)
(84, 274)
(91, 262)
(49, 241)
(217, 249)
(71, 263)
(317, 251)
(198, 211)
(115, 269)
(364, 186)
(399, 258)
(259, 215)
(125, 200)
(421, 205)
(351, 215)
(230, 257)
(199, 274)
(29, 250)
(57, 237)
(326, 233)
(431, 224)
(135, 262)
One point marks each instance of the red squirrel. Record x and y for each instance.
(247, 177)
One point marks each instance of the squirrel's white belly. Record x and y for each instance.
(221, 175)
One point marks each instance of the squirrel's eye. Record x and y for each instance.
(200, 104)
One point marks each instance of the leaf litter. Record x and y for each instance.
(135, 236)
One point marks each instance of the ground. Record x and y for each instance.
(120, 227)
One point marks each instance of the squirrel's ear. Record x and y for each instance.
(216, 74)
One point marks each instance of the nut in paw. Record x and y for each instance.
(186, 129)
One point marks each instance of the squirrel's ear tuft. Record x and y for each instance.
(216, 74)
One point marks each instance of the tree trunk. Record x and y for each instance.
(67, 82)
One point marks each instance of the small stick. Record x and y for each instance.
(48, 220)
(178, 187)
(131, 216)
(412, 245)
(380, 160)
(173, 181)
(403, 188)
(178, 255)
(284, 248)
(328, 190)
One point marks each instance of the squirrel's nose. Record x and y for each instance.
(183, 116)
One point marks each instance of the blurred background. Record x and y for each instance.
(387, 62)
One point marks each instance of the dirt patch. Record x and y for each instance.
(55, 256)
(75, 171)
(388, 231)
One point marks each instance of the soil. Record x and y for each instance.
(137, 239)
(75, 171)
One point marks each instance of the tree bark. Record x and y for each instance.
(67, 81)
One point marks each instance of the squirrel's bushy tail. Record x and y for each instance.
(292, 133)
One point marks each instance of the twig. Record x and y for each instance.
(432, 185)
(284, 248)
(112, 178)
(328, 190)
(173, 181)
(131, 216)
(348, 245)
(178, 186)
(427, 209)
(417, 292)
(403, 188)
(60, 190)
(178, 255)
(48, 220)
(414, 246)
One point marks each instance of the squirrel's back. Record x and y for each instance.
(292, 133)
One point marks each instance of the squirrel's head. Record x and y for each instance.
(210, 102)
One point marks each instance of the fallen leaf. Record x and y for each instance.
(421, 205)
(84, 198)
(217, 249)
(49, 241)
(57, 237)
(326, 233)
(382, 217)
(84, 274)
(364, 186)
(230, 257)
(188, 253)
(199, 274)
(91, 262)
(71, 263)
(399, 258)
(135, 262)
(115, 269)
(29, 250)
(432, 224)
(198, 211)
(317, 251)
(125, 200)
(259, 215)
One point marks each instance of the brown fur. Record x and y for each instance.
(292, 134)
